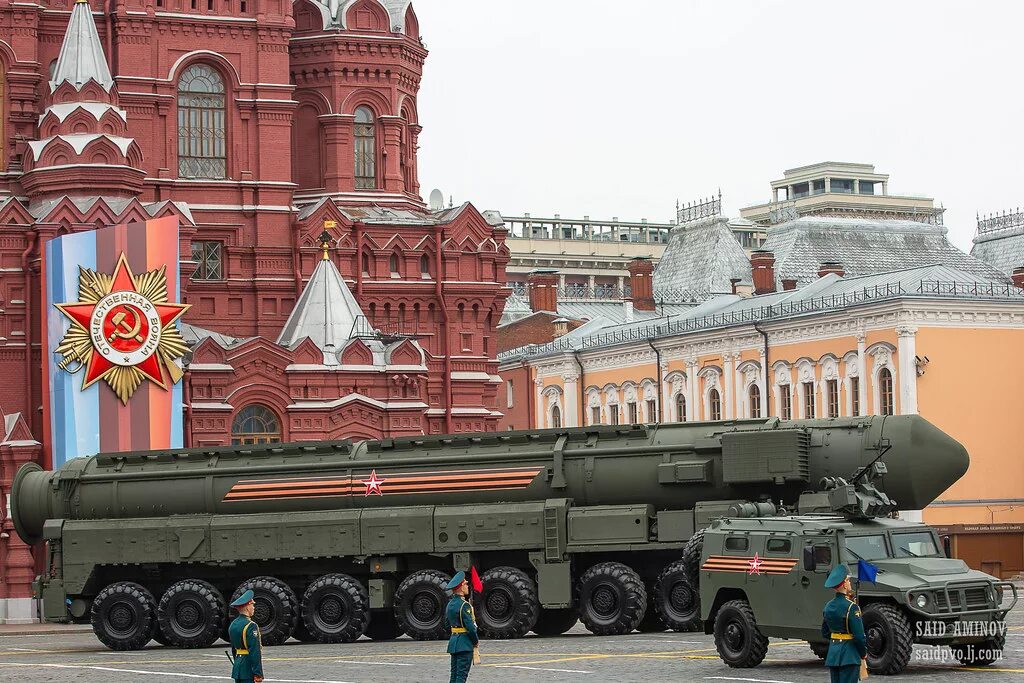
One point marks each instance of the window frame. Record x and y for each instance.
(714, 404)
(754, 401)
(192, 117)
(247, 413)
(810, 400)
(613, 413)
(365, 169)
(855, 396)
(633, 412)
(652, 410)
(886, 392)
(595, 415)
(785, 402)
(680, 407)
(555, 417)
(832, 397)
(201, 273)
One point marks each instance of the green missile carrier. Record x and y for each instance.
(758, 573)
(340, 539)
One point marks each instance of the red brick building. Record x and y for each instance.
(259, 124)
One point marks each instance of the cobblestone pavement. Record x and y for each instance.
(74, 655)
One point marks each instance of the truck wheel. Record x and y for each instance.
(191, 613)
(819, 649)
(555, 622)
(691, 556)
(420, 602)
(676, 598)
(123, 615)
(980, 654)
(277, 607)
(611, 598)
(336, 608)
(890, 642)
(651, 623)
(383, 625)
(302, 634)
(158, 635)
(739, 642)
(508, 605)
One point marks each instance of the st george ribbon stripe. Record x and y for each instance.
(398, 488)
(291, 483)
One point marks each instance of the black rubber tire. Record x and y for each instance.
(677, 599)
(158, 635)
(651, 623)
(123, 616)
(191, 614)
(383, 625)
(507, 607)
(420, 602)
(612, 599)
(819, 649)
(277, 608)
(302, 634)
(890, 640)
(739, 642)
(981, 654)
(691, 556)
(555, 622)
(336, 609)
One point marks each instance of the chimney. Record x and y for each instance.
(561, 327)
(1018, 277)
(762, 266)
(543, 285)
(788, 284)
(733, 281)
(831, 267)
(641, 282)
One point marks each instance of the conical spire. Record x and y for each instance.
(325, 312)
(81, 56)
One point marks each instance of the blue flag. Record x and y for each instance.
(866, 571)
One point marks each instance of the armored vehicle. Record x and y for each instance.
(755, 574)
(339, 539)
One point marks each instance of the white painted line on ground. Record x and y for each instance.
(164, 673)
(668, 640)
(537, 668)
(349, 661)
(751, 680)
(28, 649)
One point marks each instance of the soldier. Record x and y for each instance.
(246, 648)
(459, 617)
(844, 627)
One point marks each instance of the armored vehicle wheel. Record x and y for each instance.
(555, 622)
(123, 615)
(336, 608)
(980, 654)
(157, 634)
(302, 634)
(676, 598)
(420, 602)
(739, 642)
(612, 599)
(383, 625)
(507, 607)
(191, 613)
(889, 639)
(691, 556)
(277, 607)
(651, 623)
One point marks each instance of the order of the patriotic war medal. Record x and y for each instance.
(123, 330)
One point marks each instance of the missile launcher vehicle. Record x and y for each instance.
(758, 573)
(341, 539)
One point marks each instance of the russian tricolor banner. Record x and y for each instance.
(112, 367)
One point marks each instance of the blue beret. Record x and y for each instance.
(456, 580)
(837, 576)
(243, 599)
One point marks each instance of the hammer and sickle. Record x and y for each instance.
(122, 330)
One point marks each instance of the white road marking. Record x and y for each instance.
(751, 680)
(537, 668)
(165, 673)
(668, 640)
(28, 649)
(349, 661)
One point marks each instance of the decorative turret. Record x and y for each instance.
(83, 143)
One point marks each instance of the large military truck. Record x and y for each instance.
(756, 573)
(340, 539)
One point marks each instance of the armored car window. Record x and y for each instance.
(777, 545)
(737, 543)
(916, 544)
(866, 547)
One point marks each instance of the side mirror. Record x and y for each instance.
(809, 564)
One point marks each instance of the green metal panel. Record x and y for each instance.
(382, 593)
(391, 530)
(608, 524)
(707, 510)
(778, 456)
(483, 527)
(554, 581)
(684, 472)
(675, 525)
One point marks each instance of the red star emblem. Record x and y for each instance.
(124, 326)
(755, 565)
(373, 484)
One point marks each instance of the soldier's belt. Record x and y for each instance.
(458, 630)
(842, 636)
(241, 652)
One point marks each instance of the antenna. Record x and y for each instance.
(436, 200)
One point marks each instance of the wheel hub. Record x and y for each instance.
(604, 600)
(121, 617)
(499, 604)
(263, 612)
(331, 611)
(734, 636)
(681, 597)
(188, 614)
(875, 640)
(424, 607)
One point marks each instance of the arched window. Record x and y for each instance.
(425, 267)
(754, 396)
(885, 396)
(393, 265)
(680, 408)
(714, 405)
(202, 148)
(366, 150)
(255, 424)
(556, 417)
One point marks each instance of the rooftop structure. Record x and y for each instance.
(703, 255)
(999, 242)
(839, 189)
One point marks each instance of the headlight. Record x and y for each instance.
(999, 595)
(921, 601)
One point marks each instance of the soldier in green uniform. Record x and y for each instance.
(246, 648)
(459, 617)
(844, 628)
